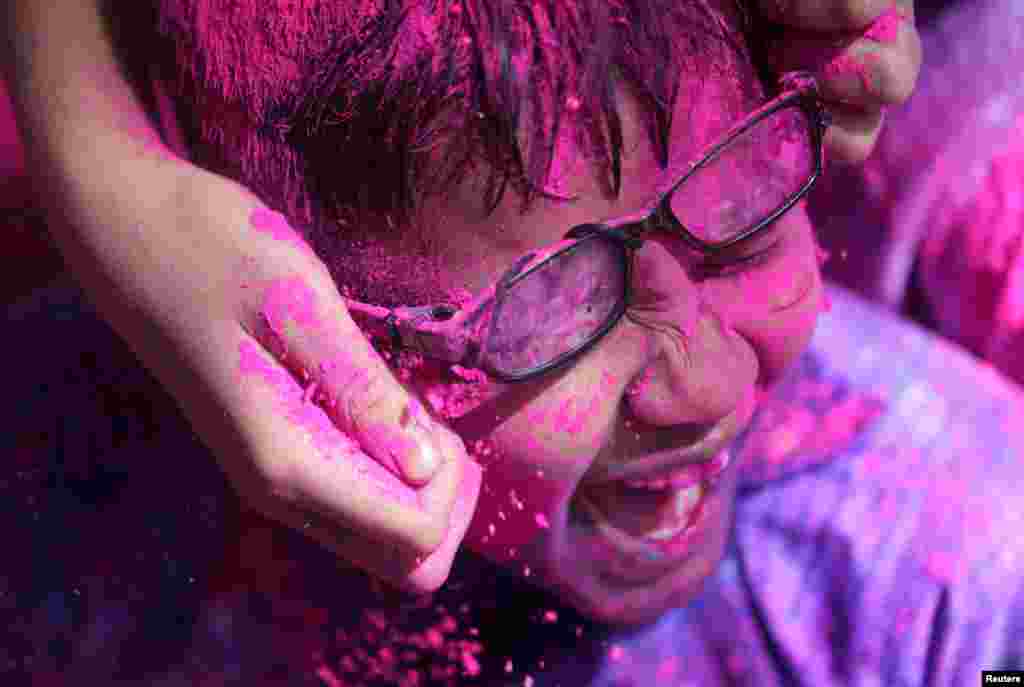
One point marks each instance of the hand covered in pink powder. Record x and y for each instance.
(241, 322)
(866, 55)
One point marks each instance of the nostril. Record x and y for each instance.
(664, 438)
(682, 435)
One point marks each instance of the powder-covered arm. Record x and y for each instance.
(233, 313)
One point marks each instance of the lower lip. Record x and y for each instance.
(634, 559)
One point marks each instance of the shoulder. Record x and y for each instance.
(905, 535)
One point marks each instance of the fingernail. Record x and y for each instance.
(426, 457)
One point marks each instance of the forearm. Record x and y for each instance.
(97, 163)
(73, 103)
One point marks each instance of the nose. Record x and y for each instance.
(696, 370)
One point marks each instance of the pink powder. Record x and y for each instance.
(942, 566)
(667, 669)
(12, 152)
(826, 302)
(327, 439)
(332, 443)
(886, 28)
(434, 638)
(293, 299)
(470, 665)
(542, 521)
(550, 616)
(328, 676)
(845, 64)
(266, 221)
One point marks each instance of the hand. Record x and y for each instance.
(865, 53)
(239, 320)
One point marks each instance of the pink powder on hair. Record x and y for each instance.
(886, 27)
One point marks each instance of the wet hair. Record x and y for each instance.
(379, 103)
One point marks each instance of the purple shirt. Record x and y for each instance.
(876, 540)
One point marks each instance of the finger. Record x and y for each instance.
(384, 561)
(864, 70)
(825, 15)
(293, 453)
(853, 133)
(303, 320)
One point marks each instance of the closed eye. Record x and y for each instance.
(744, 256)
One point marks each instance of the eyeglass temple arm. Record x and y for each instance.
(442, 332)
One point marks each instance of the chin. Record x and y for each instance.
(624, 583)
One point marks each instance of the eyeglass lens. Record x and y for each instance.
(750, 179)
(555, 310)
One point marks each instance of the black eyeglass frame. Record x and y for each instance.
(448, 333)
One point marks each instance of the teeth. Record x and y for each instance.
(681, 510)
(687, 500)
(685, 503)
(659, 484)
(685, 476)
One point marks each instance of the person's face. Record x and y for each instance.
(683, 368)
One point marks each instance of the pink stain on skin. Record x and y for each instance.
(845, 65)
(327, 440)
(886, 28)
(275, 225)
(290, 299)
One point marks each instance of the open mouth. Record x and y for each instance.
(653, 519)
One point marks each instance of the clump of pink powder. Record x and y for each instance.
(886, 28)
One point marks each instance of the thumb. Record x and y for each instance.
(307, 321)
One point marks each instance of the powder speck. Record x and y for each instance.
(328, 676)
(667, 668)
(434, 638)
(469, 664)
(541, 521)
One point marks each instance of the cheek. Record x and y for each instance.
(776, 311)
(535, 459)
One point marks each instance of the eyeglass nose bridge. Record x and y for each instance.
(630, 234)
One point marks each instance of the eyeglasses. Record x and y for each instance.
(553, 305)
